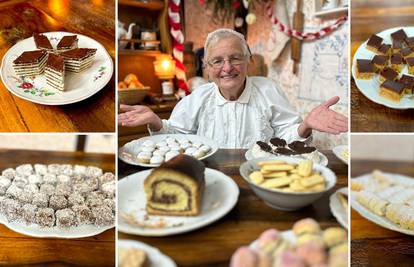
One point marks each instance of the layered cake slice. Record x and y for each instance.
(79, 59)
(410, 64)
(380, 62)
(176, 187)
(385, 49)
(42, 42)
(392, 90)
(55, 72)
(388, 74)
(396, 62)
(30, 63)
(408, 82)
(67, 42)
(364, 69)
(374, 42)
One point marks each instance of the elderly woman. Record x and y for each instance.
(233, 109)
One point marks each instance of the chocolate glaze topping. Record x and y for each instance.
(78, 53)
(379, 60)
(410, 61)
(30, 57)
(375, 41)
(393, 86)
(67, 41)
(41, 41)
(396, 59)
(389, 73)
(365, 66)
(55, 62)
(399, 35)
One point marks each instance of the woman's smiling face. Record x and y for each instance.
(232, 74)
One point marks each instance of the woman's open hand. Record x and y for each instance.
(132, 116)
(324, 119)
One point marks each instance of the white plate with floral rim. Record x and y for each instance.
(370, 88)
(373, 217)
(342, 153)
(338, 210)
(78, 86)
(155, 257)
(129, 151)
(219, 198)
(54, 232)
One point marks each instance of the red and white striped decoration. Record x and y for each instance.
(178, 42)
(303, 36)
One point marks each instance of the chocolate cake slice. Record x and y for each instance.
(408, 82)
(364, 69)
(30, 63)
(55, 72)
(42, 42)
(374, 42)
(392, 90)
(176, 187)
(67, 42)
(79, 59)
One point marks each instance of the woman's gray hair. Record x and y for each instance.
(223, 33)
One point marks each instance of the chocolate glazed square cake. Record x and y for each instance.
(67, 42)
(42, 42)
(30, 63)
(55, 72)
(176, 187)
(79, 59)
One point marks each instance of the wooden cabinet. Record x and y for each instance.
(148, 14)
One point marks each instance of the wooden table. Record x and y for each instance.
(371, 244)
(370, 17)
(213, 245)
(18, 249)
(95, 19)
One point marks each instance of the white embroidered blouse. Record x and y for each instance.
(261, 112)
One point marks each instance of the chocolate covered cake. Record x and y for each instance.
(176, 187)
(30, 63)
(364, 69)
(79, 59)
(392, 90)
(67, 42)
(42, 42)
(55, 72)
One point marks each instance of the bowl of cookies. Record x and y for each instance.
(286, 183)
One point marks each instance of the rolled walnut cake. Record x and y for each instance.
(176, 187)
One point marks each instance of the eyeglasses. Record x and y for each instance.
(218, 63)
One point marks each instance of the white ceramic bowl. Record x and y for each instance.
(280, 200)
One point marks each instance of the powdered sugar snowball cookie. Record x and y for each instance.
(95, 199)
(182, 141)
(53, 168)
(29, 213)
(58, 202)
(110, 202)
(132, 149)
(25, 169)
(13, 191)
(31, 189)
(48, 189)
(170, 139)
(172, 144)
(190, 151)
(63, 189)
(176, 148)
(92, 171)
(107, 177)
(25, 197)
(160, 144)
(156, 160)
(170, 155)
(45, 217)
(35, 178)
(63, 178)
(83, 214)
(79, 170)
(40, 199)
(11, 209)
(4, 185)
(65, 218)
(103, 216)
(49, 178)
(148, 143)
(75, 199)
(144, 157)
(40, 169)
(93, 183)
(198, 154)
(158, 152)
(65, 169)
(109, 188)
(20, 181)
(205, 148)
(9, 173)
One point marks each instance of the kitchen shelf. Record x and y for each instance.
(131, 52)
